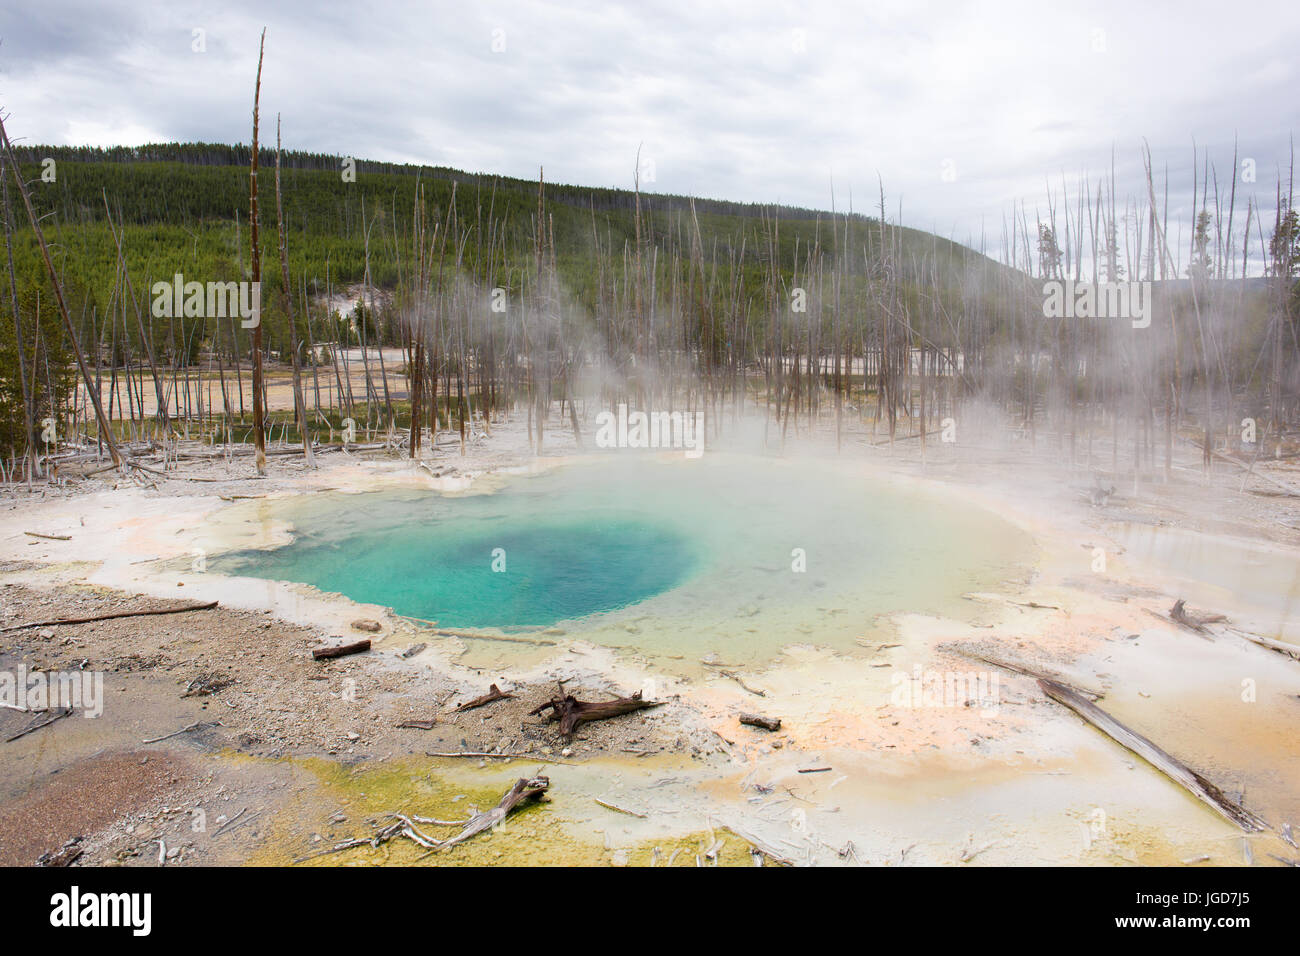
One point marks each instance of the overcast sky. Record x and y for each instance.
(962, 108)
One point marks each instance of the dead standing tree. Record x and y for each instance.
(299, 404)
(259, 399)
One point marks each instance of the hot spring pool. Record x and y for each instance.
(736, 556)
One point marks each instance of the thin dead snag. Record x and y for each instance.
(571, 712)
(1170, 766)
(299, 403)
(494, 693)
(259, 410)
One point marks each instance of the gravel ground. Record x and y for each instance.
(244, 683)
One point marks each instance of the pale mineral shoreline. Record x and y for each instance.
(1023, 782)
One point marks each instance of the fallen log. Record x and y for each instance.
(1016, 668)
(571, 712)
(49, 537)
(207, 606)
(758, 720)
(1196, 623)
(494, 693)
(418, 724)
(340, 650)
(1170, 766)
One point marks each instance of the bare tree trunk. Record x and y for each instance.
(299, 405)
(259, 410)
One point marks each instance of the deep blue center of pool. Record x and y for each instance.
(476, 573)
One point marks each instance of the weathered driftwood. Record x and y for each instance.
(1197, 624)
(494, 693)
(758, 720)
(732, 675)
(45, 723)
(571, 712)
(1191, 622)
(179, 609)
(342, 650)
(525, 789)
(1178, 614)
(414, 724)
(1290, 650)
(1170, 766)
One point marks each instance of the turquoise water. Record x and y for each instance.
(732, 555)
(479, 569)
